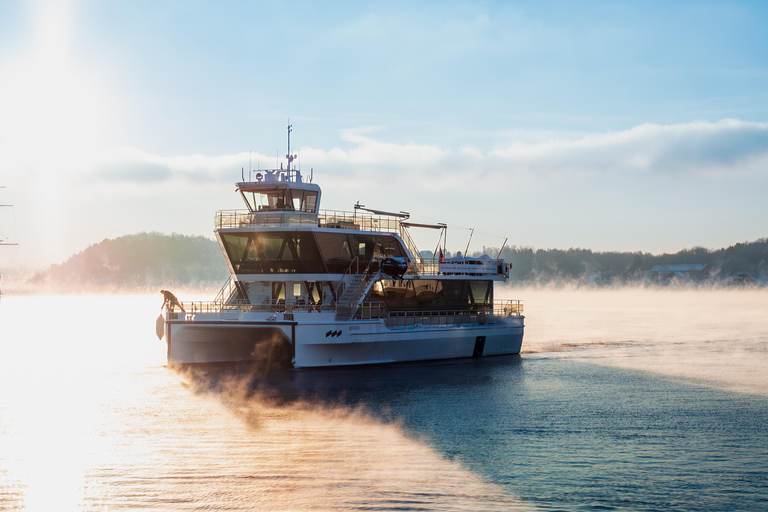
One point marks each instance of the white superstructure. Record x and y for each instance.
(319, 288)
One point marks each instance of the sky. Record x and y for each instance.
(612, 126)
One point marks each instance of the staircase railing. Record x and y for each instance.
(347, 272)
(411, 245)
(226, 292)
(355, 294)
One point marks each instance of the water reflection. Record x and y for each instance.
(373, 386)
(91, 419)
(339, 436)
(558, 434)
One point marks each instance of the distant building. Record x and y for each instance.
(679, 272)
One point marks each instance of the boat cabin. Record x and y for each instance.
(280, 191)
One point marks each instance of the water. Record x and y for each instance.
(624, 400)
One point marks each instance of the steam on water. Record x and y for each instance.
(92, 419)
(717, 337)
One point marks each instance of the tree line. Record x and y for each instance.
(143, 261)
(543, 266)
(149, 261)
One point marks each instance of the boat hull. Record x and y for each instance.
(319, 342)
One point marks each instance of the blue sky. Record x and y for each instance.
(604, 125)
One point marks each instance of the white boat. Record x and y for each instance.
(319, 288)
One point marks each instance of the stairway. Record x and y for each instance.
(354, 294)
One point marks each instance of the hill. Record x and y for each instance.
(585, 266)
(144, 261)
(150, 261)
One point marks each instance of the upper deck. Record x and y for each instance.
(282, 200)
(355, 221)
(334, 219)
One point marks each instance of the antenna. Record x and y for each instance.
(289, 156)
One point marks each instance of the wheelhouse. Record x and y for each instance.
(280, 191)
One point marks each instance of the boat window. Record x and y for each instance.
(309, 202)
(273, 252)
(249, 201)
(278, 292)
(273, 200)
(430, 294)
(297, 197)
(314, 292)
(481, 292)
(339, 249)
(281, 200)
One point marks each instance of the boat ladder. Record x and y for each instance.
(358, 287)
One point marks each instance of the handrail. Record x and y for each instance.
(406, 236)
(335, 219)
(498, 308)
(226, 291)
(356, 259)
(269, 306)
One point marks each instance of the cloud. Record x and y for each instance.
(699, 148)
(696, 148)
(130, 165)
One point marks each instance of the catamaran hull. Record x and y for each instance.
(326, 344)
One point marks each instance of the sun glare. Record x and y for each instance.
(54, 113)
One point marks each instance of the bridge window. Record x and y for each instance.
(282, 199)
(273, 252)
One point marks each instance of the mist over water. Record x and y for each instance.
(624, 399)
(714, 337)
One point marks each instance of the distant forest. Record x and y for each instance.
(545, 266)
(145, 261)
(150, 261)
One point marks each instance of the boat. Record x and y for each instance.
(312, 288)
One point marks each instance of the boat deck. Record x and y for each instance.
(369, 310)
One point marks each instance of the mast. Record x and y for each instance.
(289, 156)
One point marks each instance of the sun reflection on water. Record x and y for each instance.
(92, 420)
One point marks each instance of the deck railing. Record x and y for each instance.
(370, 310)
(336, 219)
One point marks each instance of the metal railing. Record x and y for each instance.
(336, 219)
(270, 306)
(226, 293)
(480, 314)
(456, 317)
(347, 277)
(406, 236)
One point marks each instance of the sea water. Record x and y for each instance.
(623, 399)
